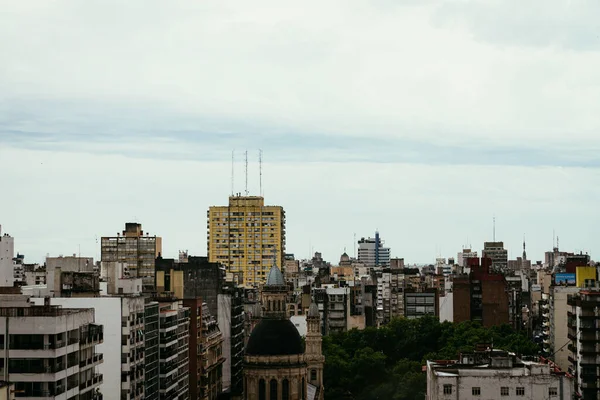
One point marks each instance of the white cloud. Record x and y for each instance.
(341, 67)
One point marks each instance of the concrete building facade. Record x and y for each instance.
(7, 253)
(136, 250)
(246, 237)
(50, 352)
(496, 374)
(584, 335)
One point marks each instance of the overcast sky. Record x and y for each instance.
(419, 118)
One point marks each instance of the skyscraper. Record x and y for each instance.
(136, 250)
(247, 237)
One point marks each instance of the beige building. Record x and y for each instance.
(558, 327)
(276, 365)
(7, 391)
(247, 237)
(136, 250)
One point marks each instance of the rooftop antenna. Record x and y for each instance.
(553, 239)
(260, 172)
(494, 229)
(354, 245)
(246, 154)
(232, 170)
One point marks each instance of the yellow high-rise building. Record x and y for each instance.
(247, 237)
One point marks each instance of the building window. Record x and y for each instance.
(313, 375)
(476, 391)
(553, 391)
(285, 390)
(504, 391)
(447, 389)
(273, 389)
(262, 390)
(520, 391)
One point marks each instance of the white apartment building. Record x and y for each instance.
(7, 253)
(496, 374)
(121, 312)
(52, 352)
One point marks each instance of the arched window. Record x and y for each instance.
(285, 390)
(262, 390)
(273, 390)
(313, 375)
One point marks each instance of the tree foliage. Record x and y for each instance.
(386, 362)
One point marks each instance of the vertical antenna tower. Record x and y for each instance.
(494, 229)
(232, 170)
(260, 192)
(246, 154)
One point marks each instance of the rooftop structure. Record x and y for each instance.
(496, 374)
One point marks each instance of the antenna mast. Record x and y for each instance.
(260, 192)
(246, 154)
(494, 228)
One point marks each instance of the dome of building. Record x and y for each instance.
(345, 257)
(275, 277)
(274, 337)
(313, 310)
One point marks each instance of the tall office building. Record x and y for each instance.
(136, 250)
(372, 253)
(247, 237)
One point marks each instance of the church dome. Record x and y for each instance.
(274, 337)
(275, 277)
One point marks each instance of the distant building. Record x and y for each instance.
(52, 352)
(7, 254)
(419, 304)
(136, 250)
(480, 296)
(372, 253)
(246, 237)
(70, 263)
(497, 374)
(334, 308)
(496, 252)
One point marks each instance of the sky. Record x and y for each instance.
(422, 119)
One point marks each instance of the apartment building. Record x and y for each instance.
(151, 349)
(50, 352)
(496, 252)
(136, 249)
(122, 316)
(173, 355)
(584, 333)
(334, 307)
(247, 237)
